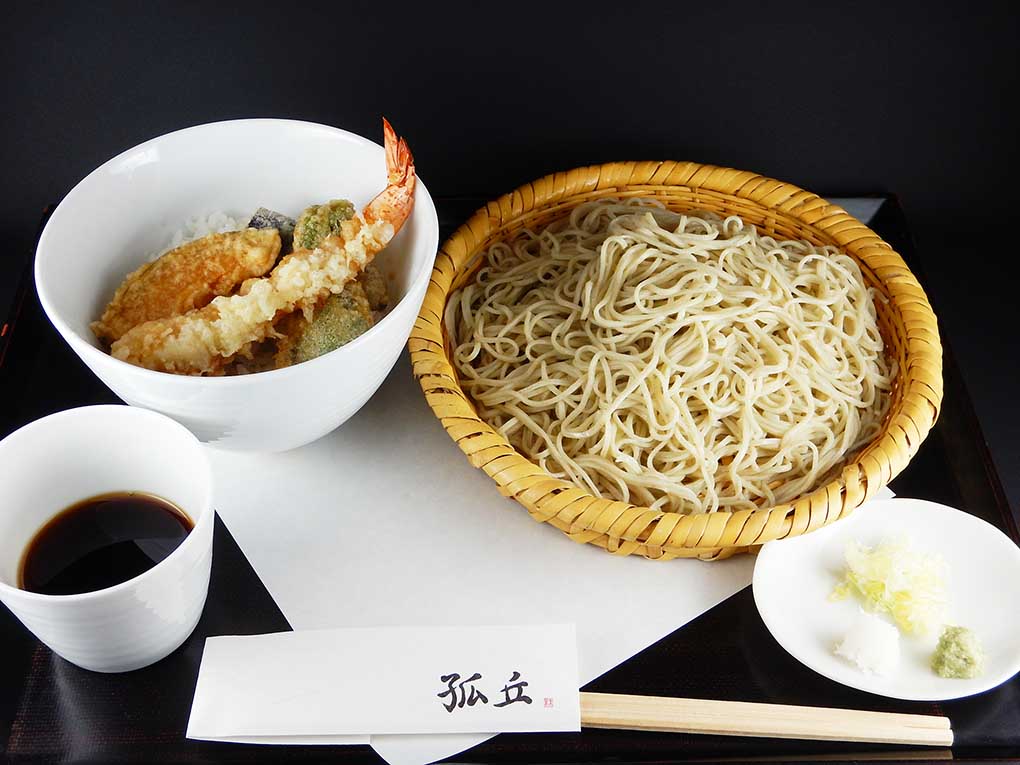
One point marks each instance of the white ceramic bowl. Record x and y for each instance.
(70, 456)
(130, 206)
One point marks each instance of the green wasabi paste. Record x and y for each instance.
(958, 654)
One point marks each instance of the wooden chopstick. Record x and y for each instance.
(742, 718)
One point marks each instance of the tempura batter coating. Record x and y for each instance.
(319, 221)
(186, 278)
(203, 341)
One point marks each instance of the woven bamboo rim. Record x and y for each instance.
(779, 209)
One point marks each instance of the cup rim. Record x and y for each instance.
(204, 520)
(82, 346)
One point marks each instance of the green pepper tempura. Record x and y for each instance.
(338, 321)
(320, 221)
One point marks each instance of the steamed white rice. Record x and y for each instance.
(198, 226)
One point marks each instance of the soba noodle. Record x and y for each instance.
(681, 362)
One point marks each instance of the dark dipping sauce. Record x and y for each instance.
(102, 541)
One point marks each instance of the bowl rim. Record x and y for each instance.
(89, 352)
(621, 527)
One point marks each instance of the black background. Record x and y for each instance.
(913, 98)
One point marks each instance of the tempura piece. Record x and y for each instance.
(375, 288)
(204, 340)
(266, 218)
(187, 278)
(339, 319)
(319, 221)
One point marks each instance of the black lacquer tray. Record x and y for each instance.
(51, 710)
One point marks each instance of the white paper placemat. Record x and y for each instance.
(384, 522)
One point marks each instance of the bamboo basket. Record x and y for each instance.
(779, 209)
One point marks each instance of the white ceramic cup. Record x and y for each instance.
(70, 456)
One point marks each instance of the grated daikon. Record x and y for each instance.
(872, 644)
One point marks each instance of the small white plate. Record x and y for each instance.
(793, 579)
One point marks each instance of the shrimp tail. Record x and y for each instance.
(394, 204)
(399, 162)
